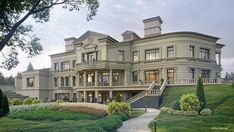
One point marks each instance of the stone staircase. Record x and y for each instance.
(10, 95)
(152, 93)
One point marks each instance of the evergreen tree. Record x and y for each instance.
(5, 106)
(200, 93)
(1, 100)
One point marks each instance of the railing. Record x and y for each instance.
(194, 81)
(117, 83)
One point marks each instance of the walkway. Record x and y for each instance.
(139, 124)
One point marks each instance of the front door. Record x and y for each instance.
(170, 76)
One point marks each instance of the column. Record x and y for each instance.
(85, 96)
(125, 77)
(77, 79)
(96, 78)
(110, 94)
(85, 76)
(96, 96)
(110, 75)
(219, 58)
(77, 96)
(70, 81)
(59, 83)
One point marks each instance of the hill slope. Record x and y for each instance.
(220, 98)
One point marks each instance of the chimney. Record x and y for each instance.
(152, 26)
(129, 35)
(69, 46)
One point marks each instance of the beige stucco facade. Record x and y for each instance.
(95, 66)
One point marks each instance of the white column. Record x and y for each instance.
(59, 83)
(77, 96)
(220, 59)
(70, 81)
(110, 94)
(77, 79)
(96, 96)
(96, 78)
(85, 80)
(110, 75)
(125, 77)
(85, 96)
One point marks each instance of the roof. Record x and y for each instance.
(153, 19)
(63, 53)
(82, 37)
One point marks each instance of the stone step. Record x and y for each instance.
(10, 95)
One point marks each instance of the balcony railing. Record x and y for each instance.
(194, 81)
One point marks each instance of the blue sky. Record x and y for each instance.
(213, 17)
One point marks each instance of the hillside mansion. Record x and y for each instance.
(95, 66)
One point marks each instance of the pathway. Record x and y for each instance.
(139, 124)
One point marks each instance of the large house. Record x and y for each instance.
(96, 67)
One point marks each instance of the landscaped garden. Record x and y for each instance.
(59, 116)
(218, 115)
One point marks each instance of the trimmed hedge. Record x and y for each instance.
(27, 101)
(189, 102)
(110, 122)
(15, 101)
(190, 113)
(36, 101)
(206, 112)
(165, 109)
(118, 108)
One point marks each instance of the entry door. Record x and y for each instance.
(170, 76)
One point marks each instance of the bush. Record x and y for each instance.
(36, 101)
(118, 97)
(5, 106)
(171, 111)
(15, 101)
(59, 101)
(190, 113)
(118, 108)
(165, 109)
(206, 112)
(201, 94)
(27, 101)
(233, 85)
(110, 122)
(178, 113)
(189, 102)
(176, 105)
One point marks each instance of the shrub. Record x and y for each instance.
(200, 93)
(59, 101)
(110, 122)
(189, 102)
(206, 112)
(118, 97)
(178, 113)
(36, 101)
(233, 85)
(117, 108)
(15, 101)
(171, 111)
(176, 105)
(190, 113)
(5, 106)
(27, 101)
(165, 109)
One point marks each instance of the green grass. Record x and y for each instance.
(61, 121)
(220, 98)
(47, 114)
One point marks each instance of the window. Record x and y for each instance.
(73, 63)
(191, 73)
(152, 75)
(205, 73)
(121, 55)
(170, 51)
(97, 55)
(134, 76)
(90, 57)
(135, 56)
(66, 81)
(62, 81)
(73, 80)
(152, 54)
(116, 77)
(30, 82)
(204, 53)
(55, 82)
(65, 65)
(56, 66)
(191, 51)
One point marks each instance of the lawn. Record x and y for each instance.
(220, 98)
(61, 121)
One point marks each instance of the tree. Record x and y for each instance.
(200, 93)
(5, 106)
(1, 100)
(18, 36)
(1, 79)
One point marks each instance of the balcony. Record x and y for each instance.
(103, 65)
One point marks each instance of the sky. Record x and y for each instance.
(212, 17)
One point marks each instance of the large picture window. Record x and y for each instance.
(65, 65)
(170, 52)
(55, 82)
(205, 73)
(91, 56)
(152, 75)
(56, 66)
(152, 54)
(204, 53)
(170, 76)
(134, 76)
(192, 73)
